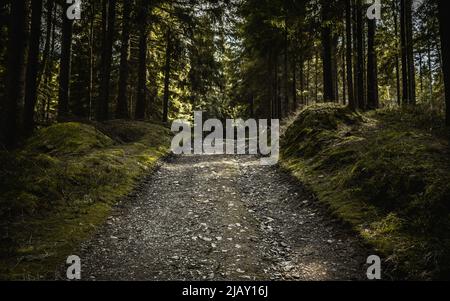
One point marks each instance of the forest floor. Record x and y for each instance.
(348, 185)
(221, 218)
(385, 173)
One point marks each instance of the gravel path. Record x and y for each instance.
(221, 218)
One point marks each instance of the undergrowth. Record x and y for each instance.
(386, 173)
(62, 184)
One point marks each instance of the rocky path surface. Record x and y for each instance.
(221, 218)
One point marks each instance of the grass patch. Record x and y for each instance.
(62, 184)
(383, 172)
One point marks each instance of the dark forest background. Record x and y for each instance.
(159, 60)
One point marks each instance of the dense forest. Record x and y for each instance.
(136, 65)
(157, 60)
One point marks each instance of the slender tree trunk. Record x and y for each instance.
(445, 45)
(167, 78)
(32, 68)
(335, 68)
(109, 17)
(285, 73)
(355, 54)
(278, 90)
(142, 69)
(360, 56)
(372, 69)
(344, 72)
(408, 69)
(404, 57)
(294, 82)
(327, 55)
(15, 63)
(349, 53)
(65, 65)
(307, 82)
(48, 69)
(316, 79)
(410, 53)
(302, 83)
(268, 108)
(44, 72)
(421, 73)
(91, 61)
(122, 99)
(48, 33)
(397, 50)
(430, 75)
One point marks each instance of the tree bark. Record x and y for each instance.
(65, 65)
(410, 53)
(142, 69)
(48, 34)
(372, 69)
(122, 99)
(329, 93)
(360, 56)
(445, 50)
(32, 68)
(167, 77)
(285, 72)
(294, 82)
(15, 64)
(349, 54)
(397, 65)
(109, 18)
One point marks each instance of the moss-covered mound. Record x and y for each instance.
(62, 183)
(385, 176)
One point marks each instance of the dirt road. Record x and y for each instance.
(221, 218)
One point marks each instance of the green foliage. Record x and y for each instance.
(385, 176)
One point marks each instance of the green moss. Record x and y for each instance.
(62, 185)
(67, 138)
(384, 175)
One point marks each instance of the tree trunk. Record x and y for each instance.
(109, 18)
(408, 69)
(65, 64)
(421, 72)
(308, 82)
(294, 82)
(397, 66)
(360, 56)
(316, 78)
(445, 50)
(410, 53)
(327, 55)
(142, 69)
(167, 78)
(285, 73)
(430, 75)
(122, 99)
(15, 64)
(372, 69)
(278, 90)
(349, 54)
(91, 61)
(335, 68)
(343, 71)
(49, 65)
(47, 44)
(32, 67)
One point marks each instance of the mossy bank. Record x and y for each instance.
(385, 175)
(62, 183)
